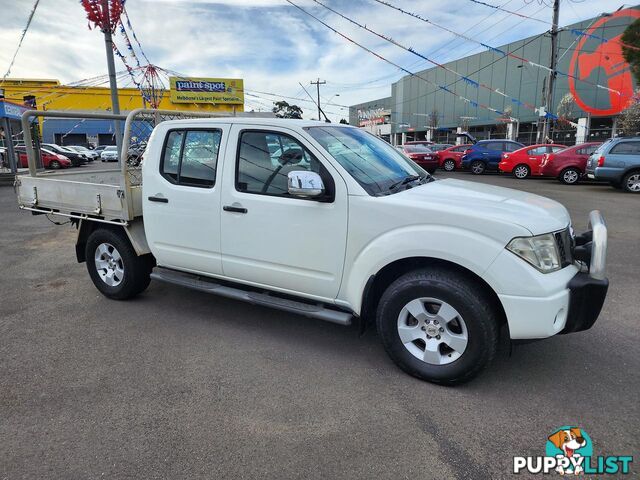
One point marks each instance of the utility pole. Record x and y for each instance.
(115, 104)
(317, 83)
(546, 126)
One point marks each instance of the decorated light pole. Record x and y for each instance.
(105, 15)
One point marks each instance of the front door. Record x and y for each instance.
(269, 237)
(181, 200)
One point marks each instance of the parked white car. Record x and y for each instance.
(336, 224)
(109, 154)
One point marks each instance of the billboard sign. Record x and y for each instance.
(372, 116)
(207, 90)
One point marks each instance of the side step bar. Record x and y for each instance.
(204, 284)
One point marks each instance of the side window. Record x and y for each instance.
(537, 151)
(627, 148)
(171, 156)
(190, 157)
(589, 150)
(556, 149)
(265, 160)
(512, 147)
(498, 146)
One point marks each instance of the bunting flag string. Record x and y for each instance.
(580, 33)
(377, 55)
(499, 51)
(466, 79)
(24, 33)
(133, 33)
(521, 15)
(123, 32)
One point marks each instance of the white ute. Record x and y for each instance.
(330, 222)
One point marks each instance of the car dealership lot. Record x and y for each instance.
(178, 383)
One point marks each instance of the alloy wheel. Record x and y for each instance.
(109, 264)
(477, 168)
(633, 183)
(449, 165)
(570, 176)
(521, 171)
(432, 331)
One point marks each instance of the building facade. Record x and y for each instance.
(43, 94)
(593, 85)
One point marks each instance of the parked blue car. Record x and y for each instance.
(486, 154)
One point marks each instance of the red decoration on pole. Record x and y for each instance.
(107, 20)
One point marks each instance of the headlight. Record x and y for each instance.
(541, 251)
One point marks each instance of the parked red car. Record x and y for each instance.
(526, 161)
(49, 159)
(449, 159)
(568, 165)
(422, 155)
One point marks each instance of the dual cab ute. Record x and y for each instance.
(330, 222)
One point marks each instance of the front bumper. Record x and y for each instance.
(588, 290)
(573, 296)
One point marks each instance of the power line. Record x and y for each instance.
(501, 52)
(468, 80)
(24, 32)
(509, 11)
(446, 89)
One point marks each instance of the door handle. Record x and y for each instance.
(158, 199)
(231, 208)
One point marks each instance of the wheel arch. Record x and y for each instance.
(377, 283)
(134, 232)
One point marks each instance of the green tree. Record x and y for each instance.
(631, 38)
(282, 109)
(629, 119)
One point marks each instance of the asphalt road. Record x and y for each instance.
(180, 384)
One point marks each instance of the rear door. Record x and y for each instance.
(181, 199)
(493, 153)
(270, 238)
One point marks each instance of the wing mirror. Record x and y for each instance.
(305, 184)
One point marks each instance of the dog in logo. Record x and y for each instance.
(569, 441)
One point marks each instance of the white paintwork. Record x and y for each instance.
(183, 233)
(292, 244)
(328, 251)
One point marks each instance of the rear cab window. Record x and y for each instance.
(190, 157)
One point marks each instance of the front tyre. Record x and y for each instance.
(438, 325)
(449, 165)
(478, 167)
(114, 267)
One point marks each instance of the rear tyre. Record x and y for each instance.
(114, 267)
(570, 176)
(431, 171)
(449, 165)
(521, 171)
(478, 167)
(438, 325)
(631, 182)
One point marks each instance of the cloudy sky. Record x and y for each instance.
(270, 44)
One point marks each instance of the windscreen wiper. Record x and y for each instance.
(406, 180)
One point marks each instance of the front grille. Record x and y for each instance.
(564, 242)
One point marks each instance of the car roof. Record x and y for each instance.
(284, 122)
